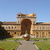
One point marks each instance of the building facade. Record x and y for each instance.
(25, 22)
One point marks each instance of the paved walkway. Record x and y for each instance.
(26, 45)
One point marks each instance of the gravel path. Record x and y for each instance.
(26, 45)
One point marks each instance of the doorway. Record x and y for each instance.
(25, 26)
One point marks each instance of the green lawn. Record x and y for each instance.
(43, 45)
(8, 45)
(40, 38)
(14, 38)
(30, 38)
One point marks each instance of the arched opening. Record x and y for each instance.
(25, 25)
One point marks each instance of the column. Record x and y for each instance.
(35, 35)
(41, 34)
(31, 29)
(47, 34)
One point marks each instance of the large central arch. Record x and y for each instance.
(25, 25)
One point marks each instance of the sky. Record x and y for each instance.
(9, 9)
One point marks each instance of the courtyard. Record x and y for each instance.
(16, 43)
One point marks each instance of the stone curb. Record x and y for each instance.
(36, 46)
